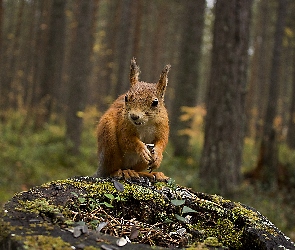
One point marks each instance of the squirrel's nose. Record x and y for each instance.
(134, 117)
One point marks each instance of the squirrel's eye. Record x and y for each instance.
(126, 98)
(155, 102)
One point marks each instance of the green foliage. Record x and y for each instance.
(29, 157)
(184, 171)
(177, 202)
(184, 210)
(250, 154)
(286, 155)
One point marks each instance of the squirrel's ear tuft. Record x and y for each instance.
(134, 72)
(161, 85)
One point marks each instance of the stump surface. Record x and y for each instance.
(91, 213)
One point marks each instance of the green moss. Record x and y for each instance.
(4, 232)
(98, 189)
(38, 242)
(212, 242)
(217, 221)
(91, 248)
(37, 206)
(223, 229)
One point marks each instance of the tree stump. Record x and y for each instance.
(107, 213)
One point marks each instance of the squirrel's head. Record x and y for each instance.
(144, 101)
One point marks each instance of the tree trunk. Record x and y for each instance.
(124, 46)
(268, 148)
(137, 28)
(104, 91)
(1, 29)
(1, 49)
(259, 70)
(13, 51)
(53, 62)
(187, 83)
(224, 129)
(39, 44)
(291, 125)
(79, 73)
(92, 84)
(291, 122)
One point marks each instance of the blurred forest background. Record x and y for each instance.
(230, 95)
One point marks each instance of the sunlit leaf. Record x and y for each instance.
(186, 210)
(108, 204)
(109, 196)
(168, 221)
(177, 202)
(81, 199)
(75, 194)
(180, 218)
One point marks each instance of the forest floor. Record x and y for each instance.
(29, 158)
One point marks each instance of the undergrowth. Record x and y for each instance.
(31, 157)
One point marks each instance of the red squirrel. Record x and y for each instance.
(133, 132)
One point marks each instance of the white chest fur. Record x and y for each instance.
(146, 133)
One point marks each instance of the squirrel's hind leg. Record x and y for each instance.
(126, 174)
(129, 173)
(154, 176)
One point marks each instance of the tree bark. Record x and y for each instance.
(268, 149)
(105, 69)
(39, 44)
(220, 169)
(8, 97)
(1, 49)
(137, 29)
(79, 73)
(53, 62)
(187, 79)
(1, 28)
(124, 46)
(256, 97)
(291, 123)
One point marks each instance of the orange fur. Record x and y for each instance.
(135, 119)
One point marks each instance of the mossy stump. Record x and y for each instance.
(90, 213)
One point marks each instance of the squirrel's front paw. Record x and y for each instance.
(157, 159)
(146, 155)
